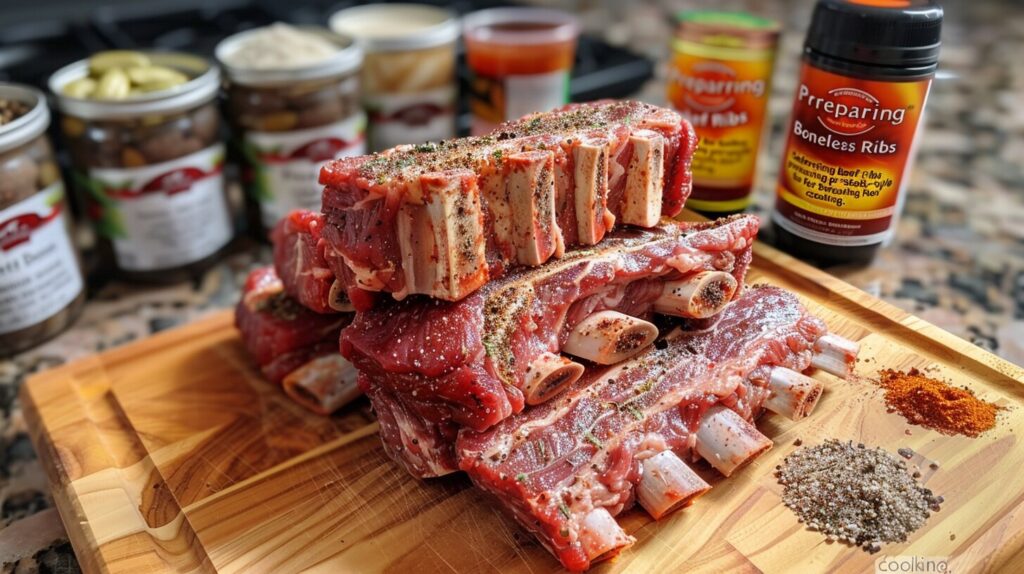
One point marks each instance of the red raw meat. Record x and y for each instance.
(300, 262)
(280, 334)
(420, 446)
(467, 362)
(554, 465)
(443, 219)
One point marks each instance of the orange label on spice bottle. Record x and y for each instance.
(849, 142)
(725, 99)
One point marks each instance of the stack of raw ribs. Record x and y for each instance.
(521, 307)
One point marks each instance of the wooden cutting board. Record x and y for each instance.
(172, 454)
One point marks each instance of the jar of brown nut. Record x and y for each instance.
(41, 284)
(293, 101)
(144, 135)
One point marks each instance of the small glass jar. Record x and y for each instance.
(289, 121)
(409, 87)
(41, 283)
(150, 171)
(520, 60)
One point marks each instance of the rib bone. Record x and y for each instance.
(607, 337)
(728, 441)
(323, 385)
(441, 236)
(698, 297)
(337, 298)
(793, 395)
(668, 484)
(601, 537)
(591, 191)
(641, 203)
(548, 375)
(835, 355)
(531, 195)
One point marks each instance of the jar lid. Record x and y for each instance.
(29, 126)
(506, 26)
(397, 27)
(200, 89)
(897, 33)
(727, 29)
(347, 59)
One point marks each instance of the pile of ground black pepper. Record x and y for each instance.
(855, 494)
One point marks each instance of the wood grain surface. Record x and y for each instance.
(172, 454)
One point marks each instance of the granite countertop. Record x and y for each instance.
(957, 259)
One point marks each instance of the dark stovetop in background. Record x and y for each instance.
(31, 50)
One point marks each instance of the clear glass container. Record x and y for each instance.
(41, 284)
(520, 60)
(150, 171)
(288, 122)
(409, 87)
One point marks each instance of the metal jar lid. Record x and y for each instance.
(397, 27)
(200, 89)
(29, 126)
(727, 30)
(348, 59)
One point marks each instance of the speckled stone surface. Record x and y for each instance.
(957, 259)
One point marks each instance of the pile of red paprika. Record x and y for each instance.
(936, 405)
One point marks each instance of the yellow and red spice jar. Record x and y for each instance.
(720, 80)
(866, 72)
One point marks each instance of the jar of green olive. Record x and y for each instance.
(293, 101)
(41, 284)
(143, 132)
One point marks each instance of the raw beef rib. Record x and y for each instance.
(477, 361)
(301, 264)
(294, 346)
(621, 434)
(442, 219)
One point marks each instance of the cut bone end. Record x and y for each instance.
(835, 355)
(668, 484)
(548, 375)
(793, 395)
(699, 297)
(337, 298)
(590, 193)
(601, 537)
(440, 233)
(728, 441)
(530, 186)
(608, 337)
(323, 385)
(641, 201)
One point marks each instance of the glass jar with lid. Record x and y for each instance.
(293, 104)
(148, 159)
(41, 283)
(409, 88)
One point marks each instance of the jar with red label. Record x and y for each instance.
(41, 284)
(148, 159)
(408, 77)
(293, 103)
(867, 69)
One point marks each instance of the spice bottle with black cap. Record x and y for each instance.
(867, 68)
